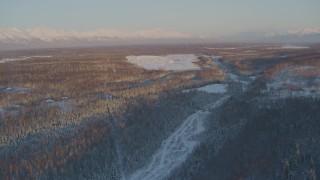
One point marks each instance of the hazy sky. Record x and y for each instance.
(206, 17)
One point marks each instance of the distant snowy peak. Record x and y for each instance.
(299, 32)
(305, 31)
(41, 34)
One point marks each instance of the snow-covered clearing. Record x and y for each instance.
(291, 82)
(212, 88)
(176, 148)
(178, 62)
(299, 89)
(5, 60)
(289, 47)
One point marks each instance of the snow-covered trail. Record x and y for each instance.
(175, 149)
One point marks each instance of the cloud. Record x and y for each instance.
(49, 35)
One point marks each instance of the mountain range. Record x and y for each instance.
(42, 37)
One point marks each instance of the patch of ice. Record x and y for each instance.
(212, 88)
(5, 60)
(176, 149)
(173, 62)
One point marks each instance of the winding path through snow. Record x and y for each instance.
(175, 150)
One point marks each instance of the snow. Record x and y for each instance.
(278, 90)
(64, 104)
(50, 101)
(304, 31)
(9, 89)
(230, 75)
(293, 47)
(287, 84)
(227, 48)
(217, 57)
(287, 46)
(297, 32)
(235, 78)
(212, 88)
(253, 77)
(284, 56)
(176, 148)
(5, 60)
(15, 89)
(173, 62)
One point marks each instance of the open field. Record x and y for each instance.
(161, 112)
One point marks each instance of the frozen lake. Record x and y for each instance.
(173, 62)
